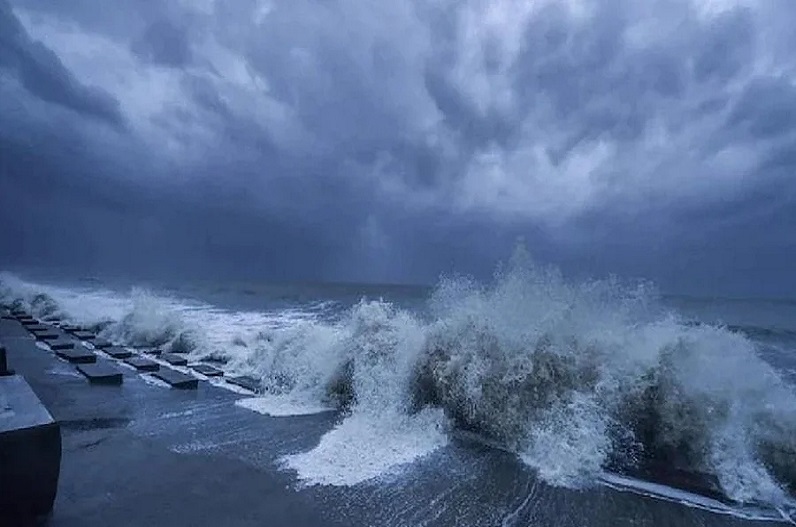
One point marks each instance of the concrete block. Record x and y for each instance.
(177, 379)
(39, 327)
(250, 383)
(101, 343)
(77, 355)
(19, 312)
(71, 328)
(30, 454)
(117, 352)
(174, 360)
(208, 370)
(143, 364)
(61, 344)
(153, 351)
(28, 322)
(84, 335)
(48, 335)
(101, 373)
(4, 371)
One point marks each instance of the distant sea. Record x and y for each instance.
(527, 400)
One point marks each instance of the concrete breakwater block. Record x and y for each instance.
(101, 343)
(177, 379)
(143, 364)
(207, 370)
(48, 335)
(30, 454)
(101, 373)
(77, 355)
(118, 352)
(71, 328)
(84, 335)
(39, 327)
(244, 381)
(174, 360)
(61, 344)
(27, 322)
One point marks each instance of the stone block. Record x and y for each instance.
(207, 370)
(174, 359)
(77, 355)
(61, 344)
(30, 454)
(117, 352)
(177, 379)
(84, 335)
(48, 335)
(101, 373)
(101, 343)
(143, 364)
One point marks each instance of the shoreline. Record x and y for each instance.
(143, 452)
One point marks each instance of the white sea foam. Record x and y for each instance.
(365, 447)
(281, 406)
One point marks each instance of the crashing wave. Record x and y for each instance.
(575, 378)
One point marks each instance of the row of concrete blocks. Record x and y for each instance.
(101, 373)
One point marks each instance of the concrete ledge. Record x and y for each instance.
(101, 373)
(250, 383)
(77, 355)
(207, 370)
(118, 352)
(30, 453)
(143, 364)
(174, 360)
(177, 379)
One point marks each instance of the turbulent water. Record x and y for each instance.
(577, 379)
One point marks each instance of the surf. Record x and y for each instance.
(577, 379)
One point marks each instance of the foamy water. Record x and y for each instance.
(575, 378)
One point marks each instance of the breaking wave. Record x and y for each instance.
(575, 378)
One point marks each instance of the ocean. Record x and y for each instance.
(529, 399)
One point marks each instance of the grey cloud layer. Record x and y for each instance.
(400, 140)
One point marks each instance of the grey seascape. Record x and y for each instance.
(401, 263)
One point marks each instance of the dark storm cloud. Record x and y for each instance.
(41, 72)
(396, 141)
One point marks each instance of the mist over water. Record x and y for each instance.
(575, 378)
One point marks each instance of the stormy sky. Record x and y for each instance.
(394, 141)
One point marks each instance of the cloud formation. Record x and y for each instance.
(409, 138)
